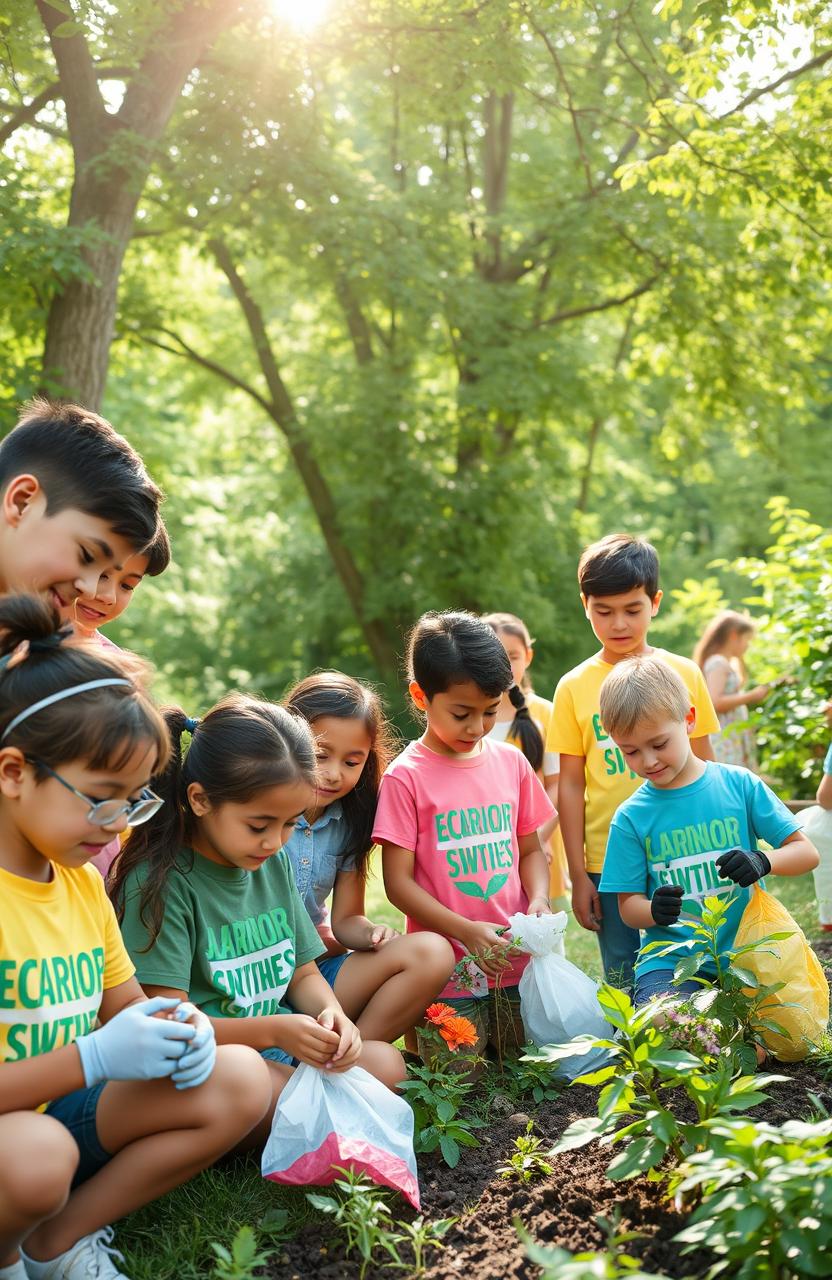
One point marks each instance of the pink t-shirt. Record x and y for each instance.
(462, 818)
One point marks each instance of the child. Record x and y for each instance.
(115, 590)
(458, 818)
(692, 830)
(76, 502)
(824, 792)
(383, 981)
(719, 655)
(90, 1127)
(113, 595)
(619, 581)
(209, 907)
(523, 720)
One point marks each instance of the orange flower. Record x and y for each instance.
(439, 1014)
(457, 1031)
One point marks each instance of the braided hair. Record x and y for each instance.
(523, 729)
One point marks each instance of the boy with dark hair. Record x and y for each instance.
(619, 583)
(75, 502)
(691, 831)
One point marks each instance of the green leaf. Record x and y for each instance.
(450, 1150)
(495, 884)
(579, 1133)
(641, 1154)
(470, 888)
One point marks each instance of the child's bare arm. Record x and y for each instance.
(795, 856)
(534, 873)
(586, 903)
(350, 925)
(635, 910)
(702, 748)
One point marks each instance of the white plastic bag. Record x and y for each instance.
(558, 1001)
(345, 1119)
(817, 825)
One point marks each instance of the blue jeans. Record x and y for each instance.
(659, 982)
(619, 943)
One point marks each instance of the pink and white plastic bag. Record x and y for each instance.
(348, 1120)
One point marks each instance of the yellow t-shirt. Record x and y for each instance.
(60, 949)
(575, 730)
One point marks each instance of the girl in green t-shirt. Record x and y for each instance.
(208, 903)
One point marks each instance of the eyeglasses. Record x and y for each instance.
(102, 813)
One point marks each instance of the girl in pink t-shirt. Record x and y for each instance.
(458, 818)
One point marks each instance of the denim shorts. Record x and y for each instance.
(279, 1055)
(76, 1112)
(659, 982)
(330, 966)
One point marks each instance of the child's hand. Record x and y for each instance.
(743, 866)
(586, 904)
(487, 946)
(539, 907)
(349, 1043)
(378, 935)
(666, 904)
(307, 1039)
(197, 1062)
(758, 694)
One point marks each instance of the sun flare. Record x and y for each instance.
(302, 15)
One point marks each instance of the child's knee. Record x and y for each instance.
(240, 1084)
(432, 956)
(35, 1183)
(384, 1062)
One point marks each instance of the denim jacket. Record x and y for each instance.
(314, 853)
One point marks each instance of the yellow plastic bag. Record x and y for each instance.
(807, 992)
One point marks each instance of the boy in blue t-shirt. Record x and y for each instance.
(691, 831)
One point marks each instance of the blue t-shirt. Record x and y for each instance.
(674, 836)
(316, 855)
(827, 764)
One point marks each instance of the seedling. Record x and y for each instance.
(363, 1216)
(527, 1161)
(242, 1260)
(420, 1236)
(436, 1095)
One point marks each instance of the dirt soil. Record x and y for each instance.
(558, 1209)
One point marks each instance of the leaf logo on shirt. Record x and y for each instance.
(474, 890)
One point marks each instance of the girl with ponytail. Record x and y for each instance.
(523, 720)
(208, 903)
(103, 1106)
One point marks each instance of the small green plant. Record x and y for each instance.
(526, 1161)
(767, 1199)
(612, 1264)
(420, 1236)
(362, 1214)
(731, 996)
(529, 1077)
(242, 1260)
(436, 1095)
(641, 1085)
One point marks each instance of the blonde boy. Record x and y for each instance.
(691, 831)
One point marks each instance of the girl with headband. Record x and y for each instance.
(103, 1106)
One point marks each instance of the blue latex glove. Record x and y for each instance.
(134, 1045)
(197, 1062)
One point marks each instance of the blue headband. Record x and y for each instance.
(58, 697)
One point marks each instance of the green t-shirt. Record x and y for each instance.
(231, 938)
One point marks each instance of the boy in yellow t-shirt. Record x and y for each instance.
(619, 581)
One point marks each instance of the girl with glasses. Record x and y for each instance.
(103, 1106)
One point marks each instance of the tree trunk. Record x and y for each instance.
(81, 319)
(106, 189)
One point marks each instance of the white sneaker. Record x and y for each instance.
(90, 1259)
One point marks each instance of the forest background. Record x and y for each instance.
(403, 301)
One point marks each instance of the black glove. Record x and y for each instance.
(666, 903)
(743, 866)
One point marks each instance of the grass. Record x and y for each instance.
(171, 1239)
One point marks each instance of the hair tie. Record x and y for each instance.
(43, 644)
(191, 723)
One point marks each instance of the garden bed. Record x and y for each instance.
(557, 1209)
